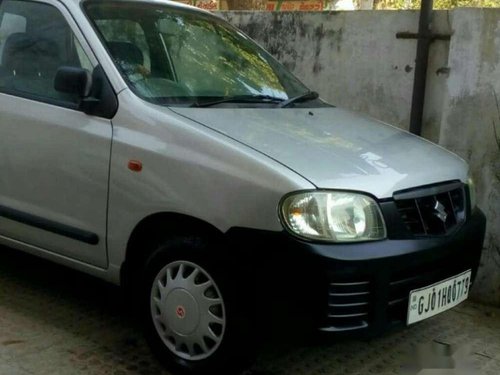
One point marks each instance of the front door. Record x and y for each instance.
(54, 159)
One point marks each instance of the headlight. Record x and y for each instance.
(472, 192)
(333, 216)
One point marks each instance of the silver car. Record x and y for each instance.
(157, 147)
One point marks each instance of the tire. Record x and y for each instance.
(194, 321)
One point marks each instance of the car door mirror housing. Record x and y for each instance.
(97, 97)
(72, 80)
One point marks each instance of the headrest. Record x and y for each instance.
(17, 43)
(25, 53)
(126, 52)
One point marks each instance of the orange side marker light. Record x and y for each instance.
(135, 165)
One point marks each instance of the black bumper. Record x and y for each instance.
(350, 288)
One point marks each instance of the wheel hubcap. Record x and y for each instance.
(187, 310)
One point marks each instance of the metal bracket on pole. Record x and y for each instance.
(431, 36)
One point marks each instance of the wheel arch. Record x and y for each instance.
(159, 227)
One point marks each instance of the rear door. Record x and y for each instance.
(54, 159)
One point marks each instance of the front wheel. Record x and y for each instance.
(188, 310)
(192, 321)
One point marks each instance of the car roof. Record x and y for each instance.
(173, 4)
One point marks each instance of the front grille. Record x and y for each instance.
(348, 305)
(437, 213)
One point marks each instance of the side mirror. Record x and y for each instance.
(71, 80)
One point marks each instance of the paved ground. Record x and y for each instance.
(57, 321)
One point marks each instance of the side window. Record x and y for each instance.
(35, 40)
(128, 45)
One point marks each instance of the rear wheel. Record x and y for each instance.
(192, 319)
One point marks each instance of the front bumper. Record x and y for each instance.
(349, 289)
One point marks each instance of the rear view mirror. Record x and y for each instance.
(71, 80)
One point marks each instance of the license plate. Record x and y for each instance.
(434, 299)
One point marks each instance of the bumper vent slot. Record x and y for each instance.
(437, 213)
(348, 305)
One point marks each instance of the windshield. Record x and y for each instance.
(174, 56)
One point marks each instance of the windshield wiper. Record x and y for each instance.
(240, 99)
(309, 95)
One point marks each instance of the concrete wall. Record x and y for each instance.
(471, 123)
(354, 60)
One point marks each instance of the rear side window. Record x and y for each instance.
(36, 40)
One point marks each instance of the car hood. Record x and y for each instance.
(335, 148)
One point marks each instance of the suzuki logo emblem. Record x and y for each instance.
(440, 213)
(180, 311)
